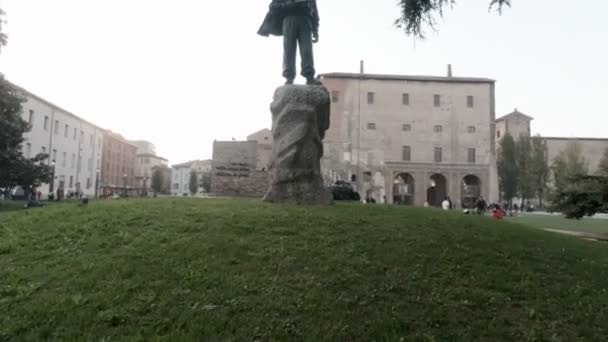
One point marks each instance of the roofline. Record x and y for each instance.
(118, 136)
(575, 138)
(415, 78)
(54, 106)
(151, 155)
(190, 163)
(504, 117)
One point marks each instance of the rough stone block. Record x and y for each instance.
(300, 117)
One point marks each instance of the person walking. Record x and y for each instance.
(445, 204)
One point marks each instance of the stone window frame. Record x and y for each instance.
(371, 126)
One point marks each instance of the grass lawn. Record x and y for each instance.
(192, 269)
(587, 225)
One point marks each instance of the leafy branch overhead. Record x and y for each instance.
(416, 15)
(3, 36)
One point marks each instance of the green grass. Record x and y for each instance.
(6, 206)
(221, 270)
(587, 225)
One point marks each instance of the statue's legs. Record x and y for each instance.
(297, 30)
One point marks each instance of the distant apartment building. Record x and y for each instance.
(118, 166)
(145, 164)
(180, 182)
(412, 139)
(73, 144)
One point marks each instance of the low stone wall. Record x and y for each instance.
(238, 180)
(233, 171)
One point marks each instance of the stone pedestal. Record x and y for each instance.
(300, 117)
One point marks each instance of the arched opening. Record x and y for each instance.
(438, 190)
(403, 189)
(471, 191)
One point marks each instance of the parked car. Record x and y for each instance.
(343, 191)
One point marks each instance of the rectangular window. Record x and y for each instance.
(92, 140)
(54, 155)
(88, 183)
(64, 159)
(71, 181)
(406, 153)
(471, 129)
(498, 134)
(471, 155)
(370, 98)
(438, 129)
(65, 132)
(405, 99)
(371, 126)
(335, 96)
(470, 101)
(407, 127)
(28, 150)
(79, 165)
(46, 123)
(75, 133)
(56, 126)
(81, 136)
(437, 100)
(438, 154)
(73, 161)
(31, 118)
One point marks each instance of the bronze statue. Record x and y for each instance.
(298, 22)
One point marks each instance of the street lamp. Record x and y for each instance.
(124, 182)
(96, 182)
(52, 183)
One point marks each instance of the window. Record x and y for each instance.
(371, 126)
(471, 129)
(43, 149)
(79, 165)
(73, 161)
(405, 99)
(92, 140)
(75, 133)
(407, 128)
(406, 153)
(46, 123)
(56, 127)
(65, 132)
(471, 155)
(437, 100)
(71, 181)
(470, 101)
(335, 96)
(31, 118)
(438, 129)
(370, 98)
(64, 159)
(54, 155)
(498, 134)
(438, 154)
(28, 150)
(88, 183)
(81, 136)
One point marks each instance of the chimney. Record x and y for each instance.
(449, 70)
(362, 67)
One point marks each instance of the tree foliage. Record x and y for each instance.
(193, 184)
(582, 196)
(540, 167)
(569, 164)
(15, 169)
(3, 37)
(524, 164)
(416, 15)
(206, 182)
(508, 175)
(157, 180)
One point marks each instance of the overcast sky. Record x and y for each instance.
(182, 73)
